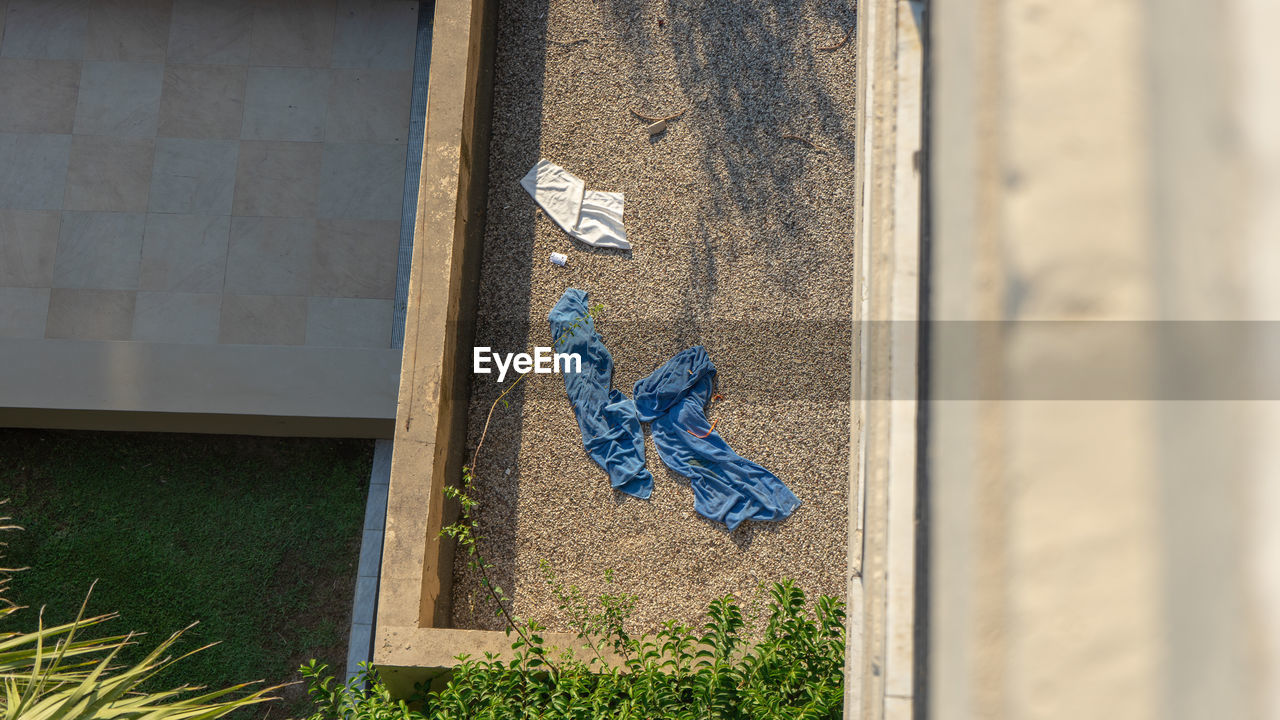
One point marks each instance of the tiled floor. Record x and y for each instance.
(202, 171)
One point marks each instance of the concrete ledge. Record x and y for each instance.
(881, 662)
(419, 655)
(272, 390)
(268, 425)
(430, 428)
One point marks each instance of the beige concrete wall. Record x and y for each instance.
(430, 419)
(1108, 555)
(1255, 56)
(881, 659)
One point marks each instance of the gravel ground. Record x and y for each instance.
(742, 242)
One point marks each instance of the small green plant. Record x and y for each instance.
(465, 531)
(793, 670)
(364, 697)
(607, 621)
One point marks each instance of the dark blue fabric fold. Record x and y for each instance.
(611, 432)
(726, 486)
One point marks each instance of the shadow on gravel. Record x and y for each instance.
(503, 303)
(776, 137)
(749, 68)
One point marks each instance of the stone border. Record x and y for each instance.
(881, 670)
(364, 604)
(411, 643)
(298, 390)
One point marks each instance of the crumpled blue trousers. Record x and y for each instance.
(610, 428)
(726, 486)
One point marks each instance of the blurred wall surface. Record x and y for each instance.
(1101, 435)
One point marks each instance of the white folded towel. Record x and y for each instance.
(593, 217)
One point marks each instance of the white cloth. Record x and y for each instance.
(591, 216)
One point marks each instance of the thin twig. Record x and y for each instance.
(476, 455)
(650, 119)
(488, 585)
(832, 48)
(558, 588)
(467, 520)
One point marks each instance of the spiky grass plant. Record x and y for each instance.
(52, 673)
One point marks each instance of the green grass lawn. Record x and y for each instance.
(256, 538)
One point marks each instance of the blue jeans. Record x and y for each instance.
(610, 429)
(726, 486)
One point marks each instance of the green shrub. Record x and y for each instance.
(793, 670)
(363, 698)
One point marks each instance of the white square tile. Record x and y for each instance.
(375, 34)
(185, 253)
(33, 170)
(99, 251)
(349, 322)
(194, 177)
(211, 32)
(120, 99)
(369, 106)
(270, 256)
(362, 181)
(53, 29)
(23, 312)
(28, 241)
(285, 104)
(177, 317)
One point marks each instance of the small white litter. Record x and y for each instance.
(559, 259)
(591, 216)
